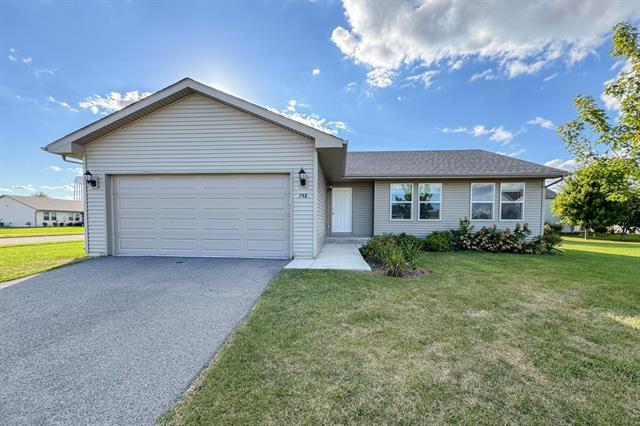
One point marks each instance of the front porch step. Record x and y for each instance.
(347, 240)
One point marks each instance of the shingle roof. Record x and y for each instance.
(447, 164)
(53, 204)
(550, 194)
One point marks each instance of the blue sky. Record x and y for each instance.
(402, 76)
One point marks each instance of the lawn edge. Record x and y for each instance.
(172, 416)
(3, 284)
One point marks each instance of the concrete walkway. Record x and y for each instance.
(10, 241)
(334, 256)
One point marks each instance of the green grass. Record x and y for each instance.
(49, 230)
(616, 237)
(485, 338)
(19, 261)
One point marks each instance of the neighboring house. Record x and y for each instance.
(549, 196)
(18, 210)
(192, 171)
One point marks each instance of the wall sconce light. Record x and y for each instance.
(89, 179)
(303, 177)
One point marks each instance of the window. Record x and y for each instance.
(76, 217)
(482, 197)
(401, 201)
(70, 216)
(429, 199)
(53, 215)
(512, 201)
(49, 216)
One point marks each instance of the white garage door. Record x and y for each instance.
(201, 215)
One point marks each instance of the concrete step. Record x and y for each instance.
(347, 240)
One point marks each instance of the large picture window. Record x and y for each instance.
(512, 201)
(430, 200)
(482, 198)
(401, 201)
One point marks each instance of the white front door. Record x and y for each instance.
(341, 210)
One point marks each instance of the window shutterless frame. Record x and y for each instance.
(400, 202)
(493, 201)
(438, 202)
(513, 202)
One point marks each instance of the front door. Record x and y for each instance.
(341, 210)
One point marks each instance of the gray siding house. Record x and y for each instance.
(192, 171)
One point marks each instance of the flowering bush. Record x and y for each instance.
(494, 240)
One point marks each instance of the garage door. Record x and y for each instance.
(201, 215)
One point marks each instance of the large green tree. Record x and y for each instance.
(585, 199)
(593, 135)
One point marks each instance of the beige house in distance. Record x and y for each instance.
(193, 171)
(23, 211)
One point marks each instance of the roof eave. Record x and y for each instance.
(458, 177)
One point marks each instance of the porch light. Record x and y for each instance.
(88, 178)
(303, 177)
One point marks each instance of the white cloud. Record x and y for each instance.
(27, 60)
(484, 75)
(312, 120)
(65, 188)
(55, 168)
(426, 78)
(28, 187)
(542, 122)
(112, 102)
(381, 77)
(5, 190)
(12, 58)
(39, 71)
(351, 86)
(456, 65)
(76, 170)
(498, 134)
(610, 102)
(63, 104)
(395, 35)
(518, 67)
(316, 71)
(551, 77)
(562, 164)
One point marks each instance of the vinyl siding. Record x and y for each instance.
(321, 209)
(197, 135)
(455, 205)
(16, 214)
(362, 209)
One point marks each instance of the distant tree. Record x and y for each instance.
(40, 195)
(629, 218)
(585, 200)
(593, 135)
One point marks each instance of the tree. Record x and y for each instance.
(629, 219)
(40, 195)
(593, 135)
(585, 200)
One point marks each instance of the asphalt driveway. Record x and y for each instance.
(117, 340)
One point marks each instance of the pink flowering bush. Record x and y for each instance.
(494, 240)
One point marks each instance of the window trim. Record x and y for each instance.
(524, 193)
(493, 202)
(391, 203)
(427, 202)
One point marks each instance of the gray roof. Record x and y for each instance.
(550, 194)
(443, 164)
(52, 204)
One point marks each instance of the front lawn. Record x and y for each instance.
(485, 338)
(48, 230)
(21, 260)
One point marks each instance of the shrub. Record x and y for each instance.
(439, 241)
(494, 240)
(395, 254)
(555, 227)
(550, 239)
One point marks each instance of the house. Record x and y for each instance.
(192, 171)
(549, 217)
(18, 210)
